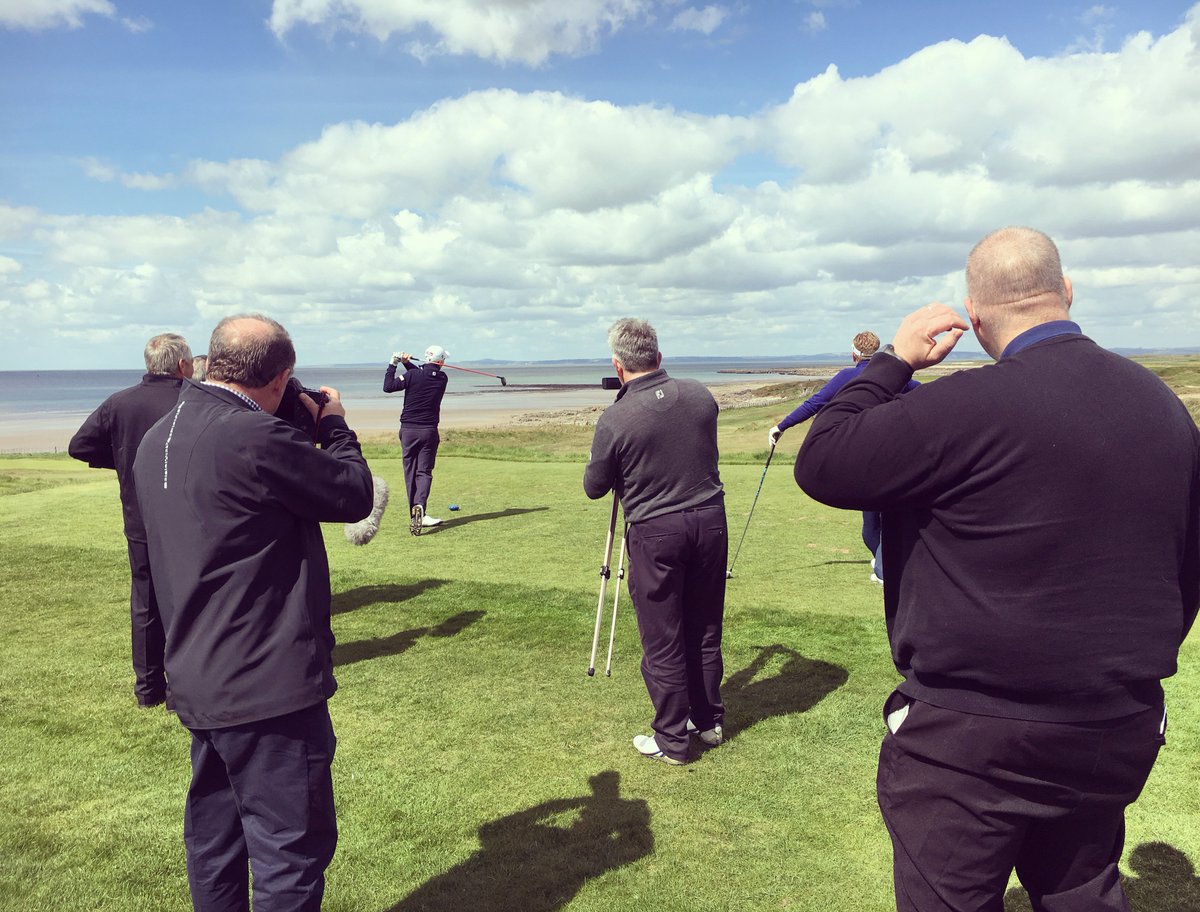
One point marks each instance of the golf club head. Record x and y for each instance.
(729, 574)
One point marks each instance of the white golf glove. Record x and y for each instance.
(773, 436)
(396, 359)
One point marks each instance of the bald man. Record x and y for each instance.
(1044, 517)
(233, 499)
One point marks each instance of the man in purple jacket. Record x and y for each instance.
(865, 344)
(233, 499)
(1045, 516)
(109, 440)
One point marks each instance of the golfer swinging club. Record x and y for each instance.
(423, 388)
(656, 448)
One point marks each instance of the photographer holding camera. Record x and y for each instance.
(232, 499)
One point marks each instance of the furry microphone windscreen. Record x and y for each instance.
(364, 530)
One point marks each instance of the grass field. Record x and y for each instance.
(478, 767)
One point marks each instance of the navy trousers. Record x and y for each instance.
(420, 446)
(149, 639)
(967, 799)
(872, 536)
(677, 583)
(261, 800)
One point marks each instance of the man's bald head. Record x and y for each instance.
(249, 350)
(1015, 282)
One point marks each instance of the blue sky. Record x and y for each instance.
(506, 178)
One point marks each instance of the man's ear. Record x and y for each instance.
(1069, 291)
(971, 315)
(658, 364)
(279, 381)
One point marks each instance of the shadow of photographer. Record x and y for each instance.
(360, 650)
(1164, 880)
(353, 599)
(536, 860)
(800, 684)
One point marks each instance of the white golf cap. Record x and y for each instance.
(436, 353)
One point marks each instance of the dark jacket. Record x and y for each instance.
(109, 438)
(656, 445)
(233, 499)
(1041, 521)
(423, 387)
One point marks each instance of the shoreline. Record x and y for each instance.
(49, 433)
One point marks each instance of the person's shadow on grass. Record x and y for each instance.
(456, 521)
(800, 684)
(353, 599)
(536, 860)
(1165, 881)
(359, 650)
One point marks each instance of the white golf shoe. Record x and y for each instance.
(427, 521)
(648, 747)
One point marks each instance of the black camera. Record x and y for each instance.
(294, 412)
(610, 383)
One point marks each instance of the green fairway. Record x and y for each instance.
(478, 767)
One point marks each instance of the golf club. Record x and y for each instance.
(604, 573)
(612, 633)
(469, 370)
(770, 453)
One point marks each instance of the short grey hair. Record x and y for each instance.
(250, 357)
(635, 344)
(164, 352)
(1014, 266)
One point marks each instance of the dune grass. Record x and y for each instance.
(478, 767)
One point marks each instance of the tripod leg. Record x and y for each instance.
(612, 633)
(608, 544)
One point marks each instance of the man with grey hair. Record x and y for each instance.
(109, 439)
(233, 498)
(655, 447)
(1044, 515)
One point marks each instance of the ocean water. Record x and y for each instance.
(39, 410)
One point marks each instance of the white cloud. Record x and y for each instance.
(527, 31)
(706, 20)
(35, 15)
(137, 25)
(523, 223)
(815, 22)
(98, 170)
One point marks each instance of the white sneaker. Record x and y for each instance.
(428, 521)
(875, 579)
(712, 736)
(648, 747)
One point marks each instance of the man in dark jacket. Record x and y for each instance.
(1044, 514)
(656, 448)
(109, 440)
(423, 389)
(233, 498)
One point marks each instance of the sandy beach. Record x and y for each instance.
(50, 432)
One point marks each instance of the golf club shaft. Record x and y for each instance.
(770, 453)
(608, 544)
(612, 633)
(469, 370)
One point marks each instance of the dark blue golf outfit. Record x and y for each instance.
(423, 389)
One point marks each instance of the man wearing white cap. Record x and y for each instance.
(423, 387)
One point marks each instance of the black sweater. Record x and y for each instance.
(656, 445)
(233, 499)
(1041, 521)
(423, 388)
(109, 438)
